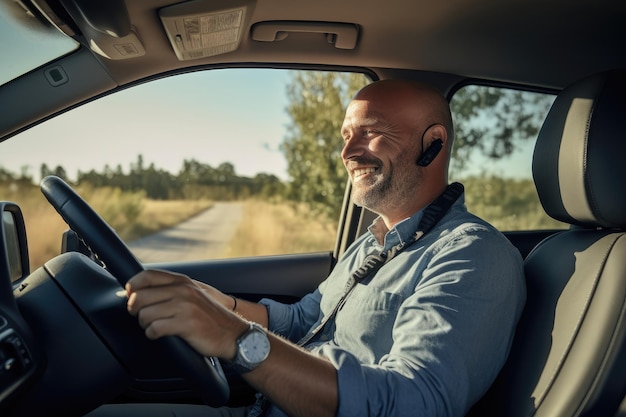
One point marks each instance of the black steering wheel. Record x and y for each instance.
(204, 373)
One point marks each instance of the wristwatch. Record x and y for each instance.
(253, 347)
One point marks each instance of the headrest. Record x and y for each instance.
(579, 163)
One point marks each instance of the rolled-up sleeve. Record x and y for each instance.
(369, 390)
(292, 321)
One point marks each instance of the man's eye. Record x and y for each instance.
(371, 132)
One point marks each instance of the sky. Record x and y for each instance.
(235, 116)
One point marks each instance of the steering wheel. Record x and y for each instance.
(204, 373)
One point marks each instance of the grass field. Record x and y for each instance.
(278, 228)
(129, 214)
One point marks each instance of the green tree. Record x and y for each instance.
(492, 121)
(59, 171)
(312, 146)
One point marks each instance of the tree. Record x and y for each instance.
(5, 175)
(226, 172)
(59, 171)
(493, 121)
(312, 146)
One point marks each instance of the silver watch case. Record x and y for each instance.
(253, 347)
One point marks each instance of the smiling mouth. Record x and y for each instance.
(358, 173)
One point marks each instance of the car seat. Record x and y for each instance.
(569, 357)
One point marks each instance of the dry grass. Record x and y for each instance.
(266, 229)
(279, 228)
(130, 214)
(44, 228)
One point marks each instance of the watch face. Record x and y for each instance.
(255, 347)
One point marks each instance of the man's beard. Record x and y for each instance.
(387, 192)
(373, 197)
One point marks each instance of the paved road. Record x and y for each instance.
(201, 237)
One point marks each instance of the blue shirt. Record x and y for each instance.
(429, 332)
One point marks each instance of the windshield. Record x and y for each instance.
(27, 43)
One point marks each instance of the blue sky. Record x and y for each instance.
(217, 116)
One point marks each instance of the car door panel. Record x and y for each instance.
(284, 277)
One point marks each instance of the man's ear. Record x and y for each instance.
(437, 131)
(435, 140)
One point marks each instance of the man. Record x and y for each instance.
(424, 331)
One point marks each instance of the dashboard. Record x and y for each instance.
(67, 342)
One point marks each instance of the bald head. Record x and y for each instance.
(421, 104)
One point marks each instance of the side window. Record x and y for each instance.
(496, 129)
(220, 163)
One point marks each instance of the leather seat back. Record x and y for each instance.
(569, 353)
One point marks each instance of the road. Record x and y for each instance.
(201, 237)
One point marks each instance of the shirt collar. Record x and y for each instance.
(403, 230)
(400, 233)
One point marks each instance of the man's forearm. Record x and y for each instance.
(298, 382)
(250, 311)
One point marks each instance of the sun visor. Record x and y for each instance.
(105, 26)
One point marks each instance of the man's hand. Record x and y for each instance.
(169, 304)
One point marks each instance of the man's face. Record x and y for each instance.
(379, 153)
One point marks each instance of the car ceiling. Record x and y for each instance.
(545, 44)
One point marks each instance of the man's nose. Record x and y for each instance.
(351, 148)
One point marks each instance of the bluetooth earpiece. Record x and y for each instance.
(429, 154)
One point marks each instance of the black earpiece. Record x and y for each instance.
(429, 154)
